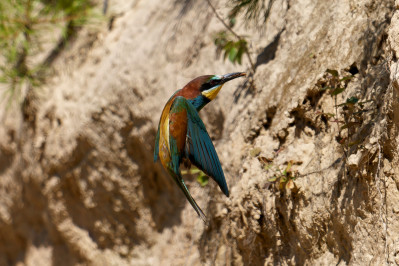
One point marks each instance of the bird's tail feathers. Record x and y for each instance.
(180, 182)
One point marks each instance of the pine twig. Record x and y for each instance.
(235, 35)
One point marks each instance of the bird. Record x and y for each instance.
(182, 136)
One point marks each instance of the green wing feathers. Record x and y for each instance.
(188, 138)
(199, 147)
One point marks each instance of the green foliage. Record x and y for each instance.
(255, 152)
(333, 72)
(350, 111)
(255, 11)
(202, 178)
(282, 177)
(233, 50)
(228, 41)
(336, 85)
(24, 28)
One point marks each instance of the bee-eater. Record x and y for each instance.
(182, 134)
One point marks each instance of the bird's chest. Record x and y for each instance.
(173, 136)
(178, 129)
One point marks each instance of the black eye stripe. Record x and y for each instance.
(206, 86)
(209, 84)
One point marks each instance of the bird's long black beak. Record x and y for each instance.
(231, 76)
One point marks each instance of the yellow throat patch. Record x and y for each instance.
(212, 92)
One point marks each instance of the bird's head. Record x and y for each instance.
(204, 89)
(212, 84)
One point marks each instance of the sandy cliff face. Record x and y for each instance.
(77, 180)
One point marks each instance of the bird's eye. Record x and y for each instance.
(213, 82)
(209, 84)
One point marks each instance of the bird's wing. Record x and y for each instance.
(177, 137)
(199, 147)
